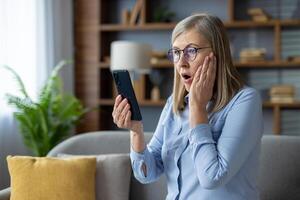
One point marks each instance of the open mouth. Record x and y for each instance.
(185, 76)
(187, 79)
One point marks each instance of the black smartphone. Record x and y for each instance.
(125, 89)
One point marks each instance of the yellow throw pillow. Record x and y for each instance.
(52, 178)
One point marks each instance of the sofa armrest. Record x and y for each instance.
(5, 194)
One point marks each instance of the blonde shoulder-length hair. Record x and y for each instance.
(228, 81)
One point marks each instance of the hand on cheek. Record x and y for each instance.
(202, 90)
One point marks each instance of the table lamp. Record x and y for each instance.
(134, 57)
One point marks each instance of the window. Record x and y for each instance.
(18, 45)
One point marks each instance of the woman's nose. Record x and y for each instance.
(182, 62)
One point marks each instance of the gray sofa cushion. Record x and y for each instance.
(5, 194)
(279, 176)
(112, 142)
(113, 175)
(106, 142)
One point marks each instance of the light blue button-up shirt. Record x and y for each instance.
(213, 161)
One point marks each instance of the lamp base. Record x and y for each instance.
(155, 93)
(138, 86)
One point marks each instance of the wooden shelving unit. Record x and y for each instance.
(94, 85)
(170, 26)
(144, 27)
(277, 107)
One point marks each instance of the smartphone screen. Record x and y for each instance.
(125, 89)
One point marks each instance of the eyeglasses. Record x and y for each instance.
(189, 53)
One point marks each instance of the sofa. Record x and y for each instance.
(279, 176)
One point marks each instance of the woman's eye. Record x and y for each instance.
(191, 50)
(176, 52)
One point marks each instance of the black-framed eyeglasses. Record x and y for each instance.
(189, 53)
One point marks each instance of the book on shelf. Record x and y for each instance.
(125, 16)
(159, 54)
(138, 12)
(255, 11)
(160, 61)
(282, 93)
(258, 14)
(252, 54)
(260, 18)
(282, 99)
(293, 58)
(282, 90)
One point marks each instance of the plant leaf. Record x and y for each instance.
(19, 81)
(24, 104)
(45, 123)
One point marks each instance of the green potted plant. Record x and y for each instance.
(163, 14)
(50, 119)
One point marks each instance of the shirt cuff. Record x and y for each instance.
(201, 134)
(137, 155)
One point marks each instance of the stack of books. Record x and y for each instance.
(282, 94)
(136, 15)
(258, 15)
(159, 58)
(252, 54)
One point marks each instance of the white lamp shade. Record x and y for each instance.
(129, 55)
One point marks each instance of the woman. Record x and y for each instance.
(207, 140)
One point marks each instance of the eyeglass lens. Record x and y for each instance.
(189, 54)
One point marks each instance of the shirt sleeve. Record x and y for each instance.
(151, 156)
(217, 163)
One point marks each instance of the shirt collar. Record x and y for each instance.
(186, 99)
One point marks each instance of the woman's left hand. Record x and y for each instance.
(201, 90)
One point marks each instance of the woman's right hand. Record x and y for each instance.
(122, 116)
